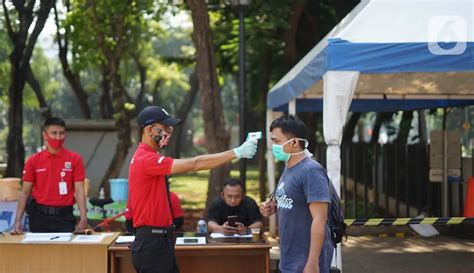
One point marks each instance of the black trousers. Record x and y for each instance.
(41, 222)
(154, 253)
(52, 223)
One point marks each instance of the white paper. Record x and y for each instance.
(88, 239)
(48, 237)
(39, 234)
(190, 240)
(125, 239)
(425, 230)
(221, 235)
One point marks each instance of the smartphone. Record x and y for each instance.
(232, 220)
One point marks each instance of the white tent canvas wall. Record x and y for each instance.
(388, 55)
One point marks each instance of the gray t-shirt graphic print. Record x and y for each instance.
(300, 185)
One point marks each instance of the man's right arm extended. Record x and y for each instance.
(210, 161)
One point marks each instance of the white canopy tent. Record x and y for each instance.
(387, 54)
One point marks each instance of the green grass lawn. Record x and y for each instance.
(192, 187)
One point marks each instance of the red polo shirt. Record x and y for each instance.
(147, 190)
(176, 208)
(44, 169)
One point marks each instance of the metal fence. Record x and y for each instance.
(390, 180)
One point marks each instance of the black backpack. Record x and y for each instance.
(336, 217)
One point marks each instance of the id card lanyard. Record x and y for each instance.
(62, 185)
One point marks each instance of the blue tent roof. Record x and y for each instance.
(388, 37)
(379, 105)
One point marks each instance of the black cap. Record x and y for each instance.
(153, 114)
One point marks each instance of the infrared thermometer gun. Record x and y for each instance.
(254, 135)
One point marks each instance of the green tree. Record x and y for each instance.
(73, 77)
(116, 27)
(5, 47)
(217, 137)
(20, 17)
(133, 76)
(278, 34)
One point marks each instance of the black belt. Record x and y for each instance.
(51, 210)
(158, 231)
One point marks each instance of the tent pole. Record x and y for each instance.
(445, 197)
(339, 87)
(292, 107)
(270, 168)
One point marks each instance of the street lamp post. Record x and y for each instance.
(240, 6)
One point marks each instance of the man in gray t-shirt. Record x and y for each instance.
(302, 202)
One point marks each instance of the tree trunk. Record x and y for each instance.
(23, 42)
(15, 147)
(156, 93)
(265, 78)
(72, 77)
(142, 72)
(379, 120)
(105, 103)
(45, 110)
(350, 128)
(121, 115)
(302, 34)
(122, 123)
(360, 131)
(290, 35)
(217, 137)
(404, 127)
(183, 111)
(422, 131)
(309, 29)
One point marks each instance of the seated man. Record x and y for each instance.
(233, 202)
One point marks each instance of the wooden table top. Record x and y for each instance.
(213, 243)
(7, 238)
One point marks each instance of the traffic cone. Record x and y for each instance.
(469, 206)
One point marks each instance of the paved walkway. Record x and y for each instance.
(441, 254)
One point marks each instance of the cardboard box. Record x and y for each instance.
(9, 189)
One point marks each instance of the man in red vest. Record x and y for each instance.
(153, 248)
(55, 179)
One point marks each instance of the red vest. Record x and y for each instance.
(148, 200)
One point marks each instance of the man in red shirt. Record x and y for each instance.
(153, 249)
(176, 211)
(54, 177)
